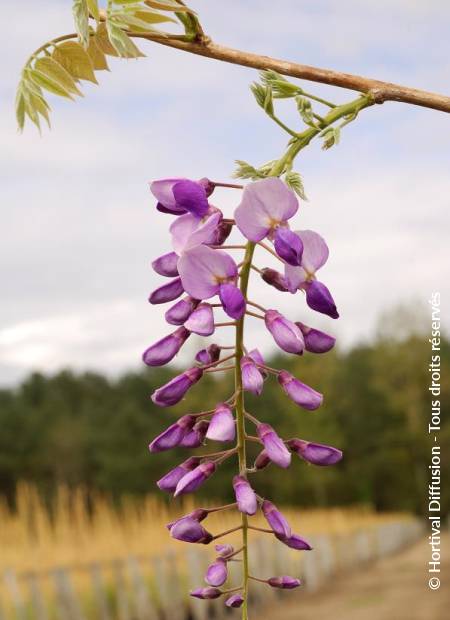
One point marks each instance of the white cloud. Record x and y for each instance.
(78, 225)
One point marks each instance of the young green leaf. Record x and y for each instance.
(295, 182)
(81, 17)
(122, 43)
(75, 60)
(96, 55)
(168, 5)
(305, 110)
(57, 74)
(93, 9)
(331, 137)
(103, 42)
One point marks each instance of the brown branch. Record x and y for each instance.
(381, 91)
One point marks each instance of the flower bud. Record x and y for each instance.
(172, 478)
(245, 495)
(235, 600)
(195, 478)
(217, 573)
(232, 300)
(224, 550)
(222, 426)
(295, 542)
(201, 320)
(276, 520)
(252, 379)
(315, 340)
(259, 361)
(319, 298)
(299, 392)
(180, 312)
(173, 391)
(274, 446)
(163, 351)
(206, 593)
(199, 514)
(285, 333)
(166, 265)
(275, 279)
(196, 436)
(222, 232)
(209, 355)
(189, 530)
(315, 453)
(167, 292)
(288, 246)
(262, 460)
(285, 582)
(173, 435)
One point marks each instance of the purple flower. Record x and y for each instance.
(196, 436)
(256, 356)
(189, 530)
(315, 340)
(285, 333)
(165, 349)
(262, 460)
(172, 436)
(166, 265)
(232, 300)
(288, 246)
(245, 495)
(224, 550)
(252, 379)
(203, 270)
(180, 195)
(180, 312)
(195, 478)
(274, 446)
(222, 426)
(173, 391)
(295, 542)
(276, 520)
(315, 255)
(285, 582)
(217, 573)
(265, 205)
(199, 514)
(167, 292)
(188, 231)
(209, 355)
(170, 480)
(206, 593)
(222, 232)
(299, 392)
(275, 279)
(201, 320)
(319, 298)
(315, 453)
(235, 600)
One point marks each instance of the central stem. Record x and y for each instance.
(240, 417)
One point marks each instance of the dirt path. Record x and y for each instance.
(395, 588)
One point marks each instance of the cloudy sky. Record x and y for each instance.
(79, 227)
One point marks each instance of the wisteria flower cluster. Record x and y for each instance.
(202, 277)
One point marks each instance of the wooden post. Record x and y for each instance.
(143, 605)
(38, 605)
(123, 606)
(66, 597)
(12, 586)
(98, 588)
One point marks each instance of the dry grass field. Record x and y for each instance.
(32, 541)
